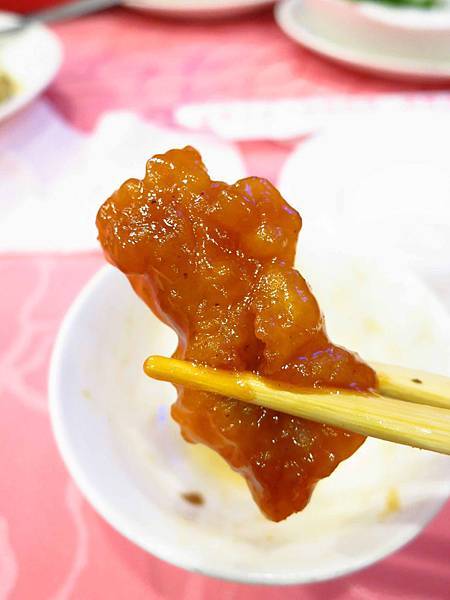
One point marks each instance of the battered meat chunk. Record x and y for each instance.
(215, 262)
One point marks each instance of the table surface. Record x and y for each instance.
(52, 543)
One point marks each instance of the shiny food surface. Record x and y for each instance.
(215, 262)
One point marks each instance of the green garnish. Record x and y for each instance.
(407, 3)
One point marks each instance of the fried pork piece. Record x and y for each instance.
(215, 262)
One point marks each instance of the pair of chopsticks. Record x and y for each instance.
(409, 407)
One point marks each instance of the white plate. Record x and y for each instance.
(199, 8)
(113, 429)
(399, 43)
(32, 58)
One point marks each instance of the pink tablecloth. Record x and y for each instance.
(52, 544)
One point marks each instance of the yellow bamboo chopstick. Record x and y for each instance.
(413, 385)
(412, 423)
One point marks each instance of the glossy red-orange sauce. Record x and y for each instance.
(215, 262)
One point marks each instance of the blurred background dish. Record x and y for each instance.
(180, 8)
(395, 41)
(198, 8)
(386, 188)
(29, 61)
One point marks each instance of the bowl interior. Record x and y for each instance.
(114, 431)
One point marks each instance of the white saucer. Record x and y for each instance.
(198, 8)
(394, 42)
(32, 58)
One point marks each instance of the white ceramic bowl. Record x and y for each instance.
(32, 58)
(198, 8)
(114, 432)
(397, 42)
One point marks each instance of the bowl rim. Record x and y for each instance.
(387, 65)
(196, 8)
(168, 552)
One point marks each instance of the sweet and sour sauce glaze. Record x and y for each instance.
(215, 262)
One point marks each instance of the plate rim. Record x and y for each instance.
(378, 64)
(180, 7)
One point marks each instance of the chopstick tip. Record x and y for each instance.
(150, 365)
